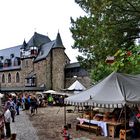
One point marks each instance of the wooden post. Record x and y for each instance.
(125, 118)
(65, 115)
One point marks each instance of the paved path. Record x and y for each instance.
(23, 127)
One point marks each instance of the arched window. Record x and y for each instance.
(3, 78)
(17, 78)
(9, 78)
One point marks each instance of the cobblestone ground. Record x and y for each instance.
(23, 127)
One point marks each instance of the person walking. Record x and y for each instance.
(32, 105)
(36, 105)
(1, 125)
(12, 109)
(7, 118)
(18, 104)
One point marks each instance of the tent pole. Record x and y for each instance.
(64, 114)
(125, 117)
(90, 118)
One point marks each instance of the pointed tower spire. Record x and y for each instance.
(24, 45)
(58, 42)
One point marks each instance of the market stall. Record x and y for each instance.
(115, 91)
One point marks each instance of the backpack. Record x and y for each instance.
(11, 108)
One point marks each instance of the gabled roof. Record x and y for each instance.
(38, 39)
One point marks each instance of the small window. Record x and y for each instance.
(9, 78)
(17, 78)
(3, 78)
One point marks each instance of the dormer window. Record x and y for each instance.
(34, 51)
(1, 64)
(12, 55)
(7, 62)
(1, 57)
(16, 61)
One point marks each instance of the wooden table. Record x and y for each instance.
(112, 128)
(101, 124)
(108, 128)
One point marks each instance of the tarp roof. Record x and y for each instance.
(76, 86)
(56, 92)
(115, 90)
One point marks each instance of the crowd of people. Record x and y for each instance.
(11, 108)
(13, 104)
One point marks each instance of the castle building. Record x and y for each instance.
(37, 65)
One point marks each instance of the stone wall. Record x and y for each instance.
(26, 68)
(42, 70)
(13, 82)
(58, 64)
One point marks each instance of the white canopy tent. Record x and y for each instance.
(49, 91)
(76, 86)
(116, 90)
(56, 93)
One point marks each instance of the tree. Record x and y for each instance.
(107, 27)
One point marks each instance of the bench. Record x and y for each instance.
(90, 127)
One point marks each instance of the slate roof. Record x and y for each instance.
(38, 39)
(44, 51)
(43, 43)
(58, 42)
(72, 65)
(8, 51)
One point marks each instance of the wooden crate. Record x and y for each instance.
(111, 131)
(124, 134)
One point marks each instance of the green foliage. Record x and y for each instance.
(108, 26)
(128, 61)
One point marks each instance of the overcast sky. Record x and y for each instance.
(19, 19)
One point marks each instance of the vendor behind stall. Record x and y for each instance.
(133, 124)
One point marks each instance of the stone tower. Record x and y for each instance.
(58, 62)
